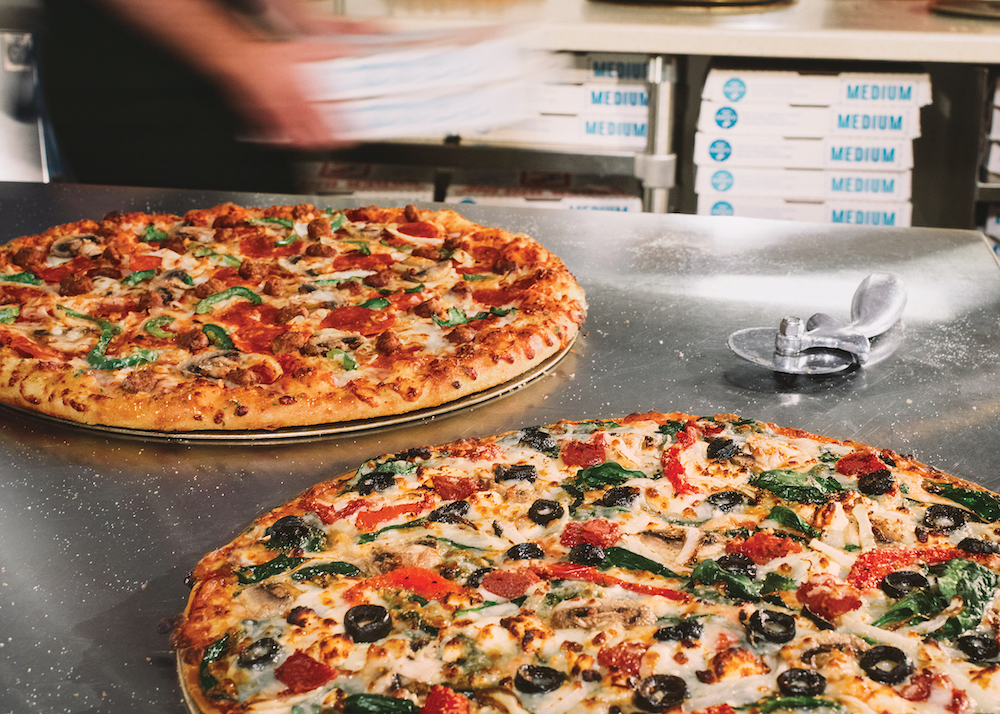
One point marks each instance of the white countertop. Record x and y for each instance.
(903, 30)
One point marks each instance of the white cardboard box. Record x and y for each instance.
(810, 122)
(376, 182)
(524, 199)
(591, 99)
(815, 89)
(804, 184)
(717, 149)
(584, 131)
(604, 67)
(860, 213)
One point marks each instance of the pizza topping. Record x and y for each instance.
(543, 511)
(828, 596)
(301, 673)
(763, 547)
(798, 682)
(367, 623)
(979, 646)
(941, 517)
(902, 582)
(726, 501)
(535, 679)
(876, 483)
(259, 654)
(659, 692)
(886, 664)
(770, 625)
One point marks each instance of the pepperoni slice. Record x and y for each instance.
(509, 583)
(354, 318)
(599, 531)
(585, 453)
(419, 229)
(301, 673)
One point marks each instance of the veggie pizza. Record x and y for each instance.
(234, 318)
(657, 562)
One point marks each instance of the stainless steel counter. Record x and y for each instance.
(97, 533)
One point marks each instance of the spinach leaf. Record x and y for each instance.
(608, 473)
(983, 504)
(775, 583)
(965, 579)
(809, 487)
(622, 558)
(971, 582)
(348, 362)
(738, 587)
(379, 303)
(256, 573)
(335, 568)
(369, 537)
(790, 519)
(152, 234)
(213, 653)
(799, 702)
(378, 704)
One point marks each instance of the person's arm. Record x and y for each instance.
(254, 73)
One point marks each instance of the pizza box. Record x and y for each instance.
(716, 149)
(804, 184)
(602, 67)
(992, 226)
(591, 99)
(817, 89)
(426, 83)
(860, 213)
(557, 130)
(537, 198)
(810, 122)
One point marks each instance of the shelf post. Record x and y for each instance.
(656, 168)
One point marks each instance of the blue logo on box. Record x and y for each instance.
(726, 117)
(722, 208)
(734, 89)
(722, 180)
(720, 150)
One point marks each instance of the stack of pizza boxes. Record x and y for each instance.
(828, 148)
(991, 170)
(586, 102)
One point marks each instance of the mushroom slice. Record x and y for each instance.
(214, 365)
(72, 246)
(601, 614)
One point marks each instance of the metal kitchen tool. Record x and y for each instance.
(822, 345)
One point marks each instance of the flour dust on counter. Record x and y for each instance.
(648, 563)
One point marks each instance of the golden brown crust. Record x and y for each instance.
(232, 318)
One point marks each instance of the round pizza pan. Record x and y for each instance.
(317, 431)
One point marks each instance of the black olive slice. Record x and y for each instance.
(978, 547)
(726, 501)
(534, 438)
(543, 511)
(659, 692)
(772, 625)
(515, 472)
(535, 679)
(683, 630)
(367, 623)
(801, 683)
(903, 582)
(722, 449)
(942, 517)
(738, 564)
(619, 496)
(885, 664)
(586, 554)
(525, 551)
(453, 512)
(876, 483)
(287, 533)
(476, 579)
(376, 482)
(259, 654)
(979, 646)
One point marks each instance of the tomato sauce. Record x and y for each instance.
(301, 673)
(585, 453)
(354, 318)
